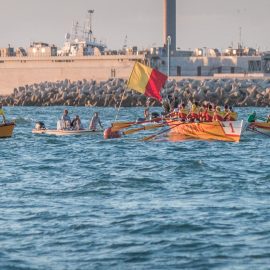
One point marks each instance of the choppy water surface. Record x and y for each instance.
(85, 203)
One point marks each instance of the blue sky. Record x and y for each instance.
(207, 23)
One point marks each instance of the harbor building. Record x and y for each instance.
(83, 56)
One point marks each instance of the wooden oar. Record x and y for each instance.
(150, 127)
(258, 132)
(116, 126)
(262, 119)
(162, 132)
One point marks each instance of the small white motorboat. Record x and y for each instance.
(41, 129)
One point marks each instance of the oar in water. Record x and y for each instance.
(162, 132)
(258, 132)
(150, 127)
(262, 119)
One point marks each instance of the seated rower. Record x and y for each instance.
(229, 114)
(194, 113)
(201, 113)
(95, 121)
(234, 115)
(252, 117)
(218, 115)
(209, 113)
(226, 110)
(76, 123)
(2, 113)
(183, 112)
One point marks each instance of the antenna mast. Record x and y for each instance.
(90, 32)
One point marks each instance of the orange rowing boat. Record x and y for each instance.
(220, 131)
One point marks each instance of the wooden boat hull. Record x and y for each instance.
(6, 130)
(259, 127)
(65, 132)
(220, 131)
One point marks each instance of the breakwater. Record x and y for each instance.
(236, 92)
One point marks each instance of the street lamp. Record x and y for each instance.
(169, 40)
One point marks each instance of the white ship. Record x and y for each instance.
(81, 41)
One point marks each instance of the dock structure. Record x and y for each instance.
(170, 23)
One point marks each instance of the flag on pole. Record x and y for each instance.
(147, 81)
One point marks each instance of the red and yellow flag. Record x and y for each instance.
(147, 81)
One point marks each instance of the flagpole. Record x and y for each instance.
(118, 110)
(122, 98)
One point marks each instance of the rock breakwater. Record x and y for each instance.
(236, 92)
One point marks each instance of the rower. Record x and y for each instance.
(234, 115)
(2, 113)
(183, 112)
(194, 114)
(252, 117)
(230, 115)
(95, 121)
(218, 114)
(209, 113)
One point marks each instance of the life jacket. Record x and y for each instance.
(183, 113)
(218, 116)
(172, 115)
(195, 112)
(209, 116)
(234, 116)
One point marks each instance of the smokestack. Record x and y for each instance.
(170, 23)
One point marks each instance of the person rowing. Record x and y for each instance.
(183, 112)
(252, 117)
(229, 114)
(2, 113)
(194, 113)
(218, 115)
(95, 121)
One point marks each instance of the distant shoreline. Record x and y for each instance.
(239, 92)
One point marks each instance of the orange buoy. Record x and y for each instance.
(109, 134)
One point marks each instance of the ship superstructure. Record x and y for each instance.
(81, 41)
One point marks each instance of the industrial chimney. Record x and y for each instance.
(170, 23)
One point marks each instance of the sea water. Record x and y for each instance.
(80, 202)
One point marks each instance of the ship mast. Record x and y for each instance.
(89, 30)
